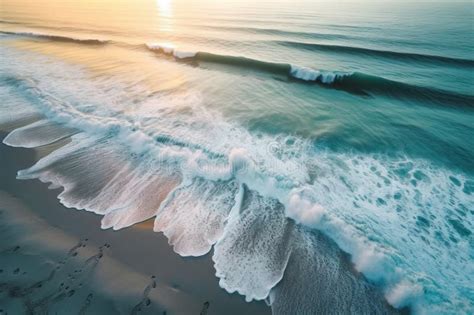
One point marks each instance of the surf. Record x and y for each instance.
(352, 82)
(362, 84)
(278, 188)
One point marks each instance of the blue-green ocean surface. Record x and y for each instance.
(352, 118)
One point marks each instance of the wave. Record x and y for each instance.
(352, 82)
(360, 83)
(59, 38)
(61, 28)
(296, 72)
(344, 49)
(381, 53)
(272, 31)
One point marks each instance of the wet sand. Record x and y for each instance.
(59, 260)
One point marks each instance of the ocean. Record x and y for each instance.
(245, 127)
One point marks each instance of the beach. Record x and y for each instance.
(39, 236)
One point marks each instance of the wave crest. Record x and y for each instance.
(59, 38)
(352, 82)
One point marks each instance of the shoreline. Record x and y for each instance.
(189, 283)
(191, 279)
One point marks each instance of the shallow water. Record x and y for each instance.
(354, 119)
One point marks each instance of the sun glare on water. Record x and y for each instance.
(165, 15)
(165, 8)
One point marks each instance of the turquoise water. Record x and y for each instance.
(356, 119)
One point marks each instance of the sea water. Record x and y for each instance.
(250, 126)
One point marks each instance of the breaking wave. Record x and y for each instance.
(59, 38)
(351, 82)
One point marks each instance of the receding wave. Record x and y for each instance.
(379, 53)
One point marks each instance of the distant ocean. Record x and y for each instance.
(232, 120)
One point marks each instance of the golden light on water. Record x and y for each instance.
(165, 14)
(165, 8)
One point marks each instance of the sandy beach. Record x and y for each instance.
(55, 259)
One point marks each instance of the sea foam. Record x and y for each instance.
(169, 49)
(308, 74)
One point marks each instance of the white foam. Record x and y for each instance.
(403, 294)
(303, 211)
(11, 112)
(37, 134)
(184, 54)
(308, 74)
(207, 204)
(304, 73)
(253, 270)
(170, 49)
(164, 47)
